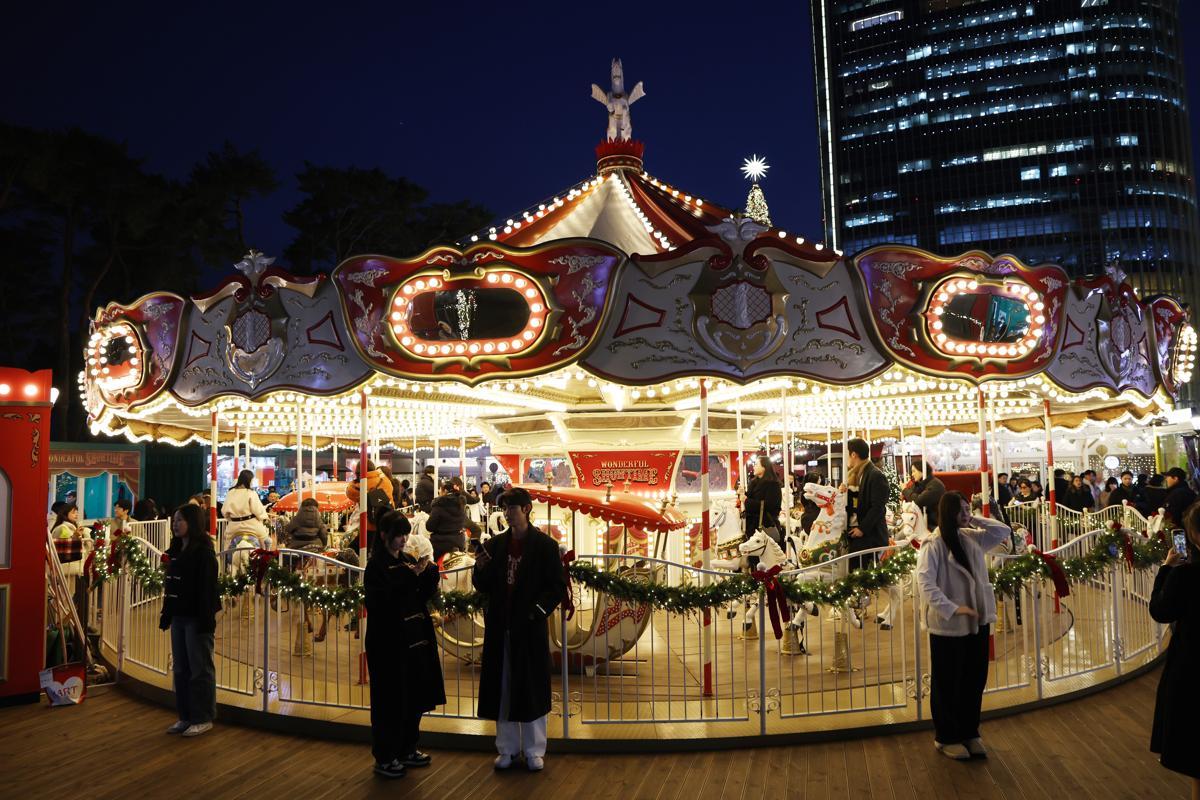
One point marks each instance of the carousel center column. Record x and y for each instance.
(705, 536)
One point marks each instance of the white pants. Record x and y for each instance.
(514, 738)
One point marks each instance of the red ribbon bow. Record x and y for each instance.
(1061, 587)
(776, 600)
(260, 559)
(568, 602)
(916, 543)
(1127, 549)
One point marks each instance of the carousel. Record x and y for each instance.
(625, 348)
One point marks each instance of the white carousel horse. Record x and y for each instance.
(830, 524)
(496, 523)
(419, 523)
(913, 527)
(1155, 523)
(418, 545)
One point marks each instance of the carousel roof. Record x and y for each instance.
(589, 320)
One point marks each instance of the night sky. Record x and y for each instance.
(490, 105)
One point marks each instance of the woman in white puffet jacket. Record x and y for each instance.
(958, 606)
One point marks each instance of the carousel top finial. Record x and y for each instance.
(253, 265)
(618, 103)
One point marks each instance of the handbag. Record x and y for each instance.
(772, 531)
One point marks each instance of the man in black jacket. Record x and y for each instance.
(1179, 496)
(1124, 491)
(521, 573)
(423, 494)
(871, 508)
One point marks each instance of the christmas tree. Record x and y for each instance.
(888, 467)
(756, 203)
(756, 206)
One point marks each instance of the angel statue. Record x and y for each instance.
(618, 103)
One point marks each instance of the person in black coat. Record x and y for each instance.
(925, 490)
(522, 574)
(447, 518)
(1154, 495)
(402, 654)
(190, 605)
(1179, 496)
(1176, 599)
(870, 501)
(764, 498)
(1079, 496)
(424, 492)
(1125, 491)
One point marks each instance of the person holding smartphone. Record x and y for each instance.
(521, 573)
(1175, 599)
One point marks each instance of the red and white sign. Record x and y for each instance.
(644, 469)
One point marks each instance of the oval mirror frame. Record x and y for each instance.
(540, 314)
(946, 292)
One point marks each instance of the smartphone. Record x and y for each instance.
(1180, 541)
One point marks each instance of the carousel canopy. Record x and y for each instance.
(612, 505)
(590, 318)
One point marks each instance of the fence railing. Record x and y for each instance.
(646, 672)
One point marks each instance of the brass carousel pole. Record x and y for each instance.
(705, 536)
(983, 450)
(212, 478)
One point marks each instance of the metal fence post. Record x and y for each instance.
(265, 616)
(1118, 642)
(123, 624)
(762, 666)
(1036, 610)
(566, 688)
(918, 663)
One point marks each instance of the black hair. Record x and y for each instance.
(515, 497)
(948, 509)
(197, 523)
(1125, 472)
(1111, 482)
(860, 448)
(405, 483)
(1058, 473)
(310, 502)
(1177, 473)
(123, 503)
(63, 512)
(145, 510)
(429, 469)
(389, 525)
(245, 478)
(1191, 524)
(1000, 475)
(919, 466)
(768, 470)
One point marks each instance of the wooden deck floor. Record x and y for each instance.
(113, 747)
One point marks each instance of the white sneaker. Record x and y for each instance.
(179, 727)
(197, 729)
(503, 761)
(535, 763)
(954, 751)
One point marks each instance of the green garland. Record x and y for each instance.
(1109, 549)
(339, 599)
(126, 554)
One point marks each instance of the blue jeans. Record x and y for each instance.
(195, 673)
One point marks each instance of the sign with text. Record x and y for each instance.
(644, 469)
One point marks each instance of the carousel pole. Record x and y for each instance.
(1048, 477)
(705, 540)
(313, 438)
(737, 410)
(787, 457)
(236, 443)
(362, 477)
(462, 460)
(212, 479)
(299, 454)
(903, 455)
(437, 456)
(983, 450)
(829, 449)
(997, 464)
(413, 484)
(926, 469)
(845, 434)
(337, 472)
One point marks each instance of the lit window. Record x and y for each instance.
(878, 19)
(913, 166)
(1058, 170)
(1031, 173)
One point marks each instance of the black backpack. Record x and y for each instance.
(378, 504)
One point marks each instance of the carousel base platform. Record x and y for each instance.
(650, 697)
(354, 726)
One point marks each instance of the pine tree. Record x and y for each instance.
(893, 478)
(756, 205)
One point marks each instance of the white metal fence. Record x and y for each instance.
(632, 667)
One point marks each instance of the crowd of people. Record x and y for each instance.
(521, 571)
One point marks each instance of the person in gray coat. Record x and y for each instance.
(958, 606)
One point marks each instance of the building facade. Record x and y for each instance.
(1054, 130)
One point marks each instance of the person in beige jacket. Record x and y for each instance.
(958, 606)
